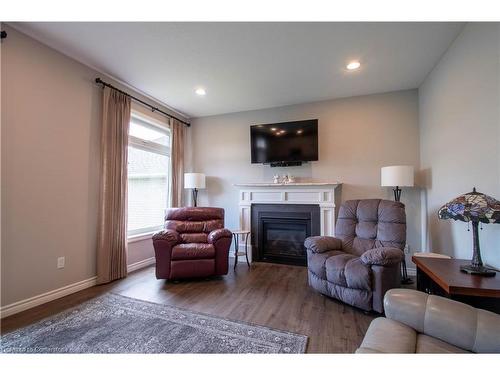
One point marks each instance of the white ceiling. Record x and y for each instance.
(246, 66)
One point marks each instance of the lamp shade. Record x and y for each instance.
(473, 206)
(397, 175)
(194, 181)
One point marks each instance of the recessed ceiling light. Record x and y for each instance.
(273, 129)
(299, 131)
(353, 65)
(200, 91)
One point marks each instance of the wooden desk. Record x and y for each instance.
(443, 277)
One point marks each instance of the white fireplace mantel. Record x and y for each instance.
(290, 184)
(320, 193)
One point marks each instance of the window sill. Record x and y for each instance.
(140, 237)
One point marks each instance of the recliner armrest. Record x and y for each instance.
(320, 244)
(217, 234)
(169, 235)
(382, 256)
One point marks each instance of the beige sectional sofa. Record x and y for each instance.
(417, 322)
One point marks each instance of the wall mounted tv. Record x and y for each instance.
(284, 144)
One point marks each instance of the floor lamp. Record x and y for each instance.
(398, 176)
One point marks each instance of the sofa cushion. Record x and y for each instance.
(428, 344)
(195, 213)
(359, 298)
(349, 271)
(388, 336)
(193, 251)
(368, 223)
(194, 226)
(316, 262)
(182, 269)
(194, 237)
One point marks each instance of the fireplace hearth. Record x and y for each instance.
(279, 231)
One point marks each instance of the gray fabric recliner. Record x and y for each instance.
(362, 261)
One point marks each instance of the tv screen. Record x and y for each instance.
(294, 141)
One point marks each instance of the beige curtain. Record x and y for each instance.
(112, 230)
(177, 152)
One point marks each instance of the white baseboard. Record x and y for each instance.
(242, 249)
(141, 264)
(40, 299)
(411, 271)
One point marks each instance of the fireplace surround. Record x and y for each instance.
(325, 195)
(279, 231)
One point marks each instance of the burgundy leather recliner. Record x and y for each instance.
(194, 243)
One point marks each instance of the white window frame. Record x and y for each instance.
(145, 233)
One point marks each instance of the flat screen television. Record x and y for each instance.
(284, 143)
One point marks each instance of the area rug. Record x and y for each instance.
(116, 324)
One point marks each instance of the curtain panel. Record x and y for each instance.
(112, 229)
(177, 152)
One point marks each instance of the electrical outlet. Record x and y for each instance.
(407, 249)
(60, 262)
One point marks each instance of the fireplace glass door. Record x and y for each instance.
(284, 239)
(279, 232)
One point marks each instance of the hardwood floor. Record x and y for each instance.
(271, 295)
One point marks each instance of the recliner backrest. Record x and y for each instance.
(194, 223)
(370, 223)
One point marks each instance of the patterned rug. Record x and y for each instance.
(116, 324)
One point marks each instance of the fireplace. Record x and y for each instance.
(279, 231)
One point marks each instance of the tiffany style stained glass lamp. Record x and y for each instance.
(476, 208)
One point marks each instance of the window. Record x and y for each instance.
(148, 175)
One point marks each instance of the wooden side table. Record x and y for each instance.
(245, 234)
(443, 277)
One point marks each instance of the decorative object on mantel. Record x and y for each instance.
(194, 181)
(285, 179)
(302, 183)
(397, 176)
(477, 208)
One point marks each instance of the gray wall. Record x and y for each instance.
(460, 137)
(357, 136)
(50, 169)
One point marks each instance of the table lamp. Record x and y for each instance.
(194, 181)
(476, 208)
(397, 176)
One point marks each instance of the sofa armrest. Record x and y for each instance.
(217, 234)
(451, 321)
(169, 235)
(320, 244)
(382, 256)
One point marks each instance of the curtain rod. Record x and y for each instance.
(154, 109)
